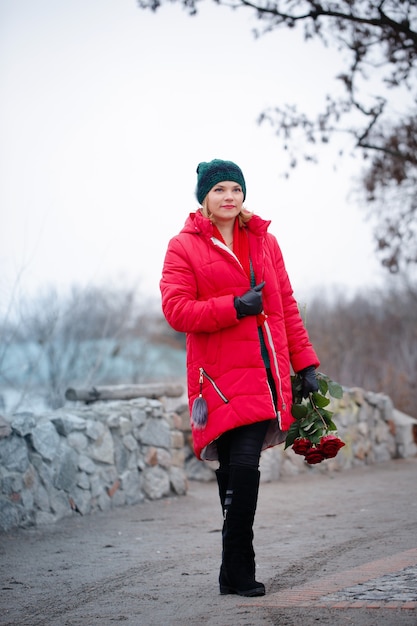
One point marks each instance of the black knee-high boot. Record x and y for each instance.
(222, 482)
(237, 574)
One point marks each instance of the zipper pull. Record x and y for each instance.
(201, 381)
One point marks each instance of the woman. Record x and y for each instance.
(225, 285)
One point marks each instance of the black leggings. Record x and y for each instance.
(242, 446)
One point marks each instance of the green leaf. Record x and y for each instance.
(308, 433)
(307, 427)
(292, 435)
(323, 386)
(335, 390)
(299, 411)
(331, 425)
(315, 439)
(320, 400)
(326, 415)
(296, 384)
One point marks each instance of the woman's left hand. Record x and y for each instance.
(309, 382)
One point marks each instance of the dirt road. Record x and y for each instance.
(156, 563)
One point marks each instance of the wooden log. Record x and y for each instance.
(125, 392)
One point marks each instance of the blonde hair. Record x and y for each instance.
(244, 216)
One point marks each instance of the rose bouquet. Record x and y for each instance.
(313, 434)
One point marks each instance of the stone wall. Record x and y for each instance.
(87, 458)
(372, 429)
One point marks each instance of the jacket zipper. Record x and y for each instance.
(271, 343)
(209, 378)
(221, 245)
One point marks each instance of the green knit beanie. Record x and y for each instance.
(216, 171)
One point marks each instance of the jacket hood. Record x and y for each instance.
(197, 223)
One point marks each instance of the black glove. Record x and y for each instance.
(250, 303)
(309, 380)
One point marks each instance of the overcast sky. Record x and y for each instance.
(105, 112)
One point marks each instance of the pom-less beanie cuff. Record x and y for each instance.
(213, 172)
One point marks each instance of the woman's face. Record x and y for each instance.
(225, 200)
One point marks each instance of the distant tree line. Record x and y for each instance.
(90, 336)
(370, 341)
(105, 335)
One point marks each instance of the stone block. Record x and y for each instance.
(83, 481)
(405, 434)
(41, 498)
(65, 469)
(156, 483)
(23, 423)
(363, 429)
(119, 499)
(178, 481)
(78, 441)
(85, 464)
(130, 442)
(14, 454)
(288, 468)
(113, 488)
(184, 415)
(177, 439)
(164, 458)
(151, 457)
(138, 416)
(60, 504)
(82, 500)
(120, 422)
(358, 396)
(125, 425)
(5, 428)
(45, 440)
(29, 477)
(96, 486)
(198, 470)
(131, 482)
(9, 514)
(104, 502)
(156, 432)
(270, 464)
(381, 453)
(132, 462)
(108, 475)
(121, 455)
(11, 482)
(95, 430)
(67, 423)
(27, 500)
(102, 448)
(43, 518)
(174, 421)
(178, 458)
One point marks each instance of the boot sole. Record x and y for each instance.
(249, 593)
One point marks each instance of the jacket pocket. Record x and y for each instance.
(203, 374)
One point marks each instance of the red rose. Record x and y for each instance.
(314, 455)
(301, 445)
(330, 446)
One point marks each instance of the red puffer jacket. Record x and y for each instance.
(200, 279)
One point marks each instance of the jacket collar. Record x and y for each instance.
(197, 223)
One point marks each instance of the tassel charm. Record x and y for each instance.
(199, 412)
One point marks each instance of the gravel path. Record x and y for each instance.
(335, 549)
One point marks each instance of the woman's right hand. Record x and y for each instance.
(251, 302)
